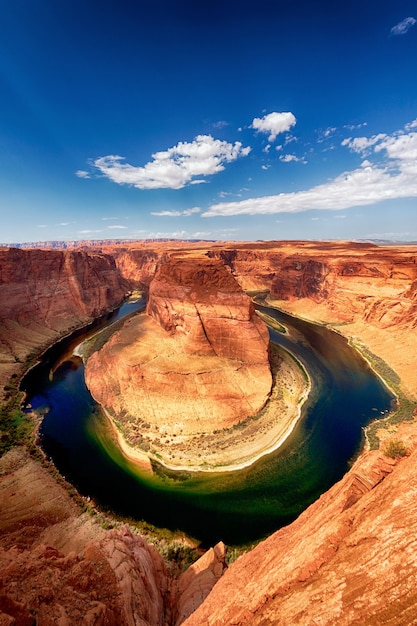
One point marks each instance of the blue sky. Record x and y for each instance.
(212, 119)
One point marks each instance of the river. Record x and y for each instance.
(236, 507)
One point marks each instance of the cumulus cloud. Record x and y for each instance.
(404, 26)
(185, 212)
(176, 167)
(394, 177)
(274, 123)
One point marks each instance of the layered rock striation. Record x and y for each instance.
(350, 558)
(198, 362)
(45, 293)
(58, 566)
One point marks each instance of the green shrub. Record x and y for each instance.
(395, 448)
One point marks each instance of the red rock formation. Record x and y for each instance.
(57, 566)
(349, 280)
(137, 265)
(198, 363)
(45, 293)
(50, 286)
(202, 301)
(350, 558)
(198, 580)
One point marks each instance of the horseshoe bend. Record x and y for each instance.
(349, 558)
(181, 379)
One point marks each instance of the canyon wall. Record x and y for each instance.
(58, 566)
(350, 558)
(45, 293)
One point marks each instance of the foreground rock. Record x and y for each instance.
(350, 558)
(197, 363)
(57, 566)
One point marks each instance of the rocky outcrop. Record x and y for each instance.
(195, 584)
(202, 302)
(58, 566)
(349, 281)
(350, 558)
(197, 363)
(49, 287)
(137, 265)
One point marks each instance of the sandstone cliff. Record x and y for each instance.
(57, 566)
(350, 558)
(44, 293)
(366, 292)
(197, 363)
(362, 289)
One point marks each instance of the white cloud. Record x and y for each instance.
(186, 212)
(105, 219)
(176, 167)
(287, 158)
(82, 174)
(411, 125)
(395, 177)
(220, 124)
(403, 27)
(119, 226)
(362, 145)
(274, 123)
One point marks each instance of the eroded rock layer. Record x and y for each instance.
(350, 558)
(58, 566)
(45, 293)
(198, 362)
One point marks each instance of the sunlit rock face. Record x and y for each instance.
(332, 281)
(350, 558)
(58, 565)
(45, 293)
(49, 286)
(197, 362)
(202, 302)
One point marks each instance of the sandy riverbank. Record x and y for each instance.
(239, 447)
